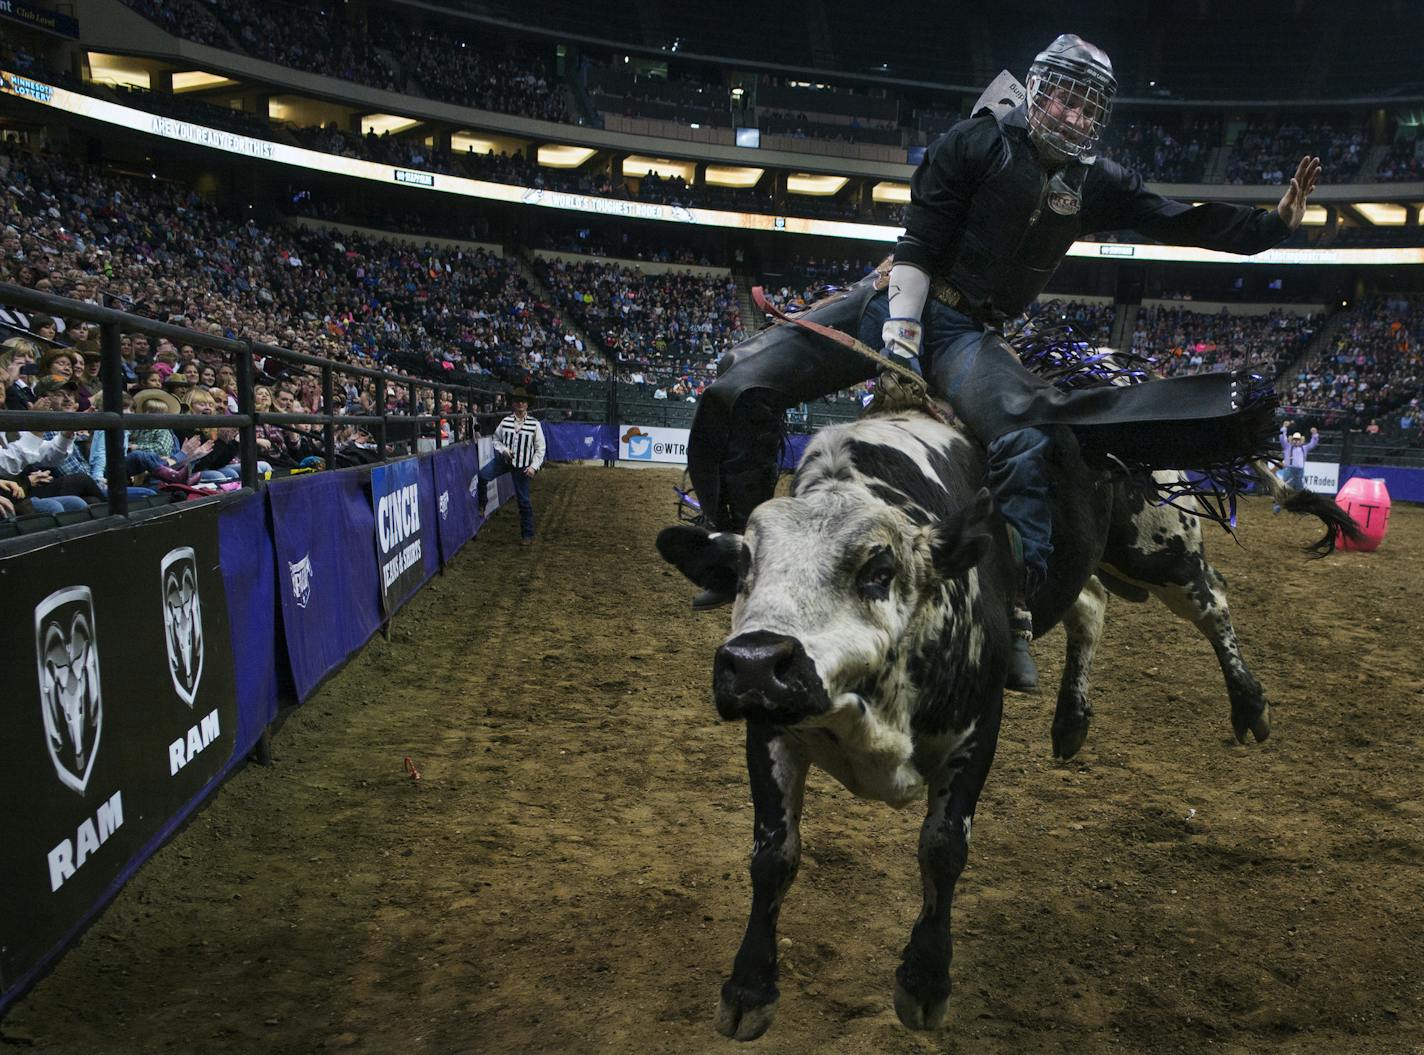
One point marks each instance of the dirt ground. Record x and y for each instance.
(568, 875)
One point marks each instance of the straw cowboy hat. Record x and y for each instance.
(169, 401)
(1296, 437)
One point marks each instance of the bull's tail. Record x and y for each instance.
(1338, 524)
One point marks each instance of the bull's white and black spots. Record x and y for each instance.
(869, 637)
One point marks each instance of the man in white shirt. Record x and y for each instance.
(519, 450)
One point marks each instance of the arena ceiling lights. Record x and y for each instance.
(637, 166)
(820, 186)
(892, 192)
(732, 176)
(562, 157)
(1382, 214)
(24, 88)
(121, 71)
(198, 80)
(383, 123)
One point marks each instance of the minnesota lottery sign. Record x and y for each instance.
(401, 537)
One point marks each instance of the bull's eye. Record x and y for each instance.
(876, 576)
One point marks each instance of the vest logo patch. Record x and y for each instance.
(1063, 199)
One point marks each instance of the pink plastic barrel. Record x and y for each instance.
(1367, 502)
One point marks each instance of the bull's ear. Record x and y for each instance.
(962, 541)
(709, 559)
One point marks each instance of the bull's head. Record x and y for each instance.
(834, 592)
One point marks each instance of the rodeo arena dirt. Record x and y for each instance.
(568, 872)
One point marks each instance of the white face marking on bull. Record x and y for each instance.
(852, 579)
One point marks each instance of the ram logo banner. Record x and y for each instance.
(71, 700)
(301, 580)
(182, 621)
(444, 504)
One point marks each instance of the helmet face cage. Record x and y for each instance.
(1067, 112)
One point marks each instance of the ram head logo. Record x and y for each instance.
(182, 621)
(71, 701)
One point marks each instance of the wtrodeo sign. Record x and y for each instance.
(1322, 477)
(402, 537)
(647, 443)
(123, 711)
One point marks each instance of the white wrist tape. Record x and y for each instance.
(909, 289)
(902, 337)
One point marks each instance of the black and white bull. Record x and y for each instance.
(869, 637)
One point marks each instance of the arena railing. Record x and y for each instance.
(112, 420)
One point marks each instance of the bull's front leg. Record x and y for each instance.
(1203, 601)
(777, 768)
(1083, 625)
(922, 979)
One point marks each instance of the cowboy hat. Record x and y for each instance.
(1297, 436)
(518, 395)
(169, 401)
(54, 384)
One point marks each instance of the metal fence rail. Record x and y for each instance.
(113, 419)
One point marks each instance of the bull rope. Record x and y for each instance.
(897, 388)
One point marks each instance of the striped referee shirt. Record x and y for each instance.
(523, 441)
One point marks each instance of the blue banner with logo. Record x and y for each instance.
(455, 469)
(402, 542)
(331, 595)
(571, 441)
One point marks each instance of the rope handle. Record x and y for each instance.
(907, 378)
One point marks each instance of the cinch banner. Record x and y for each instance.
(120, 708)
(648, 443)
(402, 541)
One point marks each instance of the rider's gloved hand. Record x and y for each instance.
(902, 339)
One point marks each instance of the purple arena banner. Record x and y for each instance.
(331, 597)
(402, 540)
(458, 517)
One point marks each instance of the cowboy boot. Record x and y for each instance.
(1022, 672)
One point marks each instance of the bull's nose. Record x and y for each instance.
(760, 662)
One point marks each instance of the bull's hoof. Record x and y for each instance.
(917, 1013)
(741, 1016)
(1068, 740)
(1256, 721)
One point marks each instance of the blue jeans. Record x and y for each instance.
(497, 467)
(1017, 474)
(1292, 476)
(58, 504)
(136, 462)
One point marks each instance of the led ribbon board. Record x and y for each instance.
(300, 157)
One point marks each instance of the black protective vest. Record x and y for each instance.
(1013, 238)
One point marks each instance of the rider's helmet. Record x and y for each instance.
(1070, 93)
